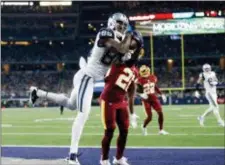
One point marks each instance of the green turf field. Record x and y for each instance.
(45, 126)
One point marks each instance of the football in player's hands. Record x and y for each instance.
(133, 44)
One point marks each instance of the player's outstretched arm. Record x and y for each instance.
(199, 81)
(123, 46)
(131, 93)
(133, 116)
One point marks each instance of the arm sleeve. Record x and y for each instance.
(131, 93)
(158, 90)
(200, 78)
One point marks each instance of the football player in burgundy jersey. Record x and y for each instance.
(147, 83)
(119, 82)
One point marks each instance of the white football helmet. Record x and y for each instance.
(118, 22)
(206, 68)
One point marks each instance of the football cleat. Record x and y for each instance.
(33, 95)
(201, 121)
(221, 123)
(121, 161)
(73, 159)
(105, 162)
(144, 131)
(162, 132)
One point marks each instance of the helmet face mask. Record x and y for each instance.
(206, 68)
(119, 23)
(144, 71)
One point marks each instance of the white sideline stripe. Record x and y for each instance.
(100, 134)
(185, 116)
(131, 147)
(89, 126)
(6, 125)
(72, 119)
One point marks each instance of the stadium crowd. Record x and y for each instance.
(64, 33)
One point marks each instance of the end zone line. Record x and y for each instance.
(129, 147)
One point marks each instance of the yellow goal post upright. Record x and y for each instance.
(182, 88)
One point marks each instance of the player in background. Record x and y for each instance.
(109, 41)
(209, 79)
(119, 82)
(148, 90)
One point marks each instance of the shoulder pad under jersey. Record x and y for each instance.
(106, 33)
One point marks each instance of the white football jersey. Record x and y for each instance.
(207, 79)
(100, 57)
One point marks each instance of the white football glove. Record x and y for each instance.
(164, 98)
(143, 95)
(127, 56)
(133, 120)
(197, 94)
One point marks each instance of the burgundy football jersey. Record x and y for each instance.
(117, 81)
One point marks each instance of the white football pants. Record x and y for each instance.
(213, 106)
(80, 99)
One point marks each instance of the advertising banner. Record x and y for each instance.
(181, 26)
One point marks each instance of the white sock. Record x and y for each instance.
(217, 115)
(58, 98)
(207, 112)
(77, 129)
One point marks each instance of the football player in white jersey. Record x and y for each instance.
(109, 41)
(210, 81)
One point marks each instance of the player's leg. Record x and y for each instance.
(216, 109)
(122, 119)
(61, 110)
(108, 114)
(207, 111)
(158, 108)
(148, 119)
(59, 98)
(84, 94)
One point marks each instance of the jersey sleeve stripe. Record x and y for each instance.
(79, 91)
(83, 92)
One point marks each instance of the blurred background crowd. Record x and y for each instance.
(41, 45)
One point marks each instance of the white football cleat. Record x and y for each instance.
(162, 132)
(105, 162)
(121, 161)
(221, 123)
(144, 131)
(201, 121)
(72, 162)
(73, 159)
(33, 95)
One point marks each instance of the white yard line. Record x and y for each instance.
(98, 126)
(100, 134)
(180, 119)
(131, 147)
(6, 125)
